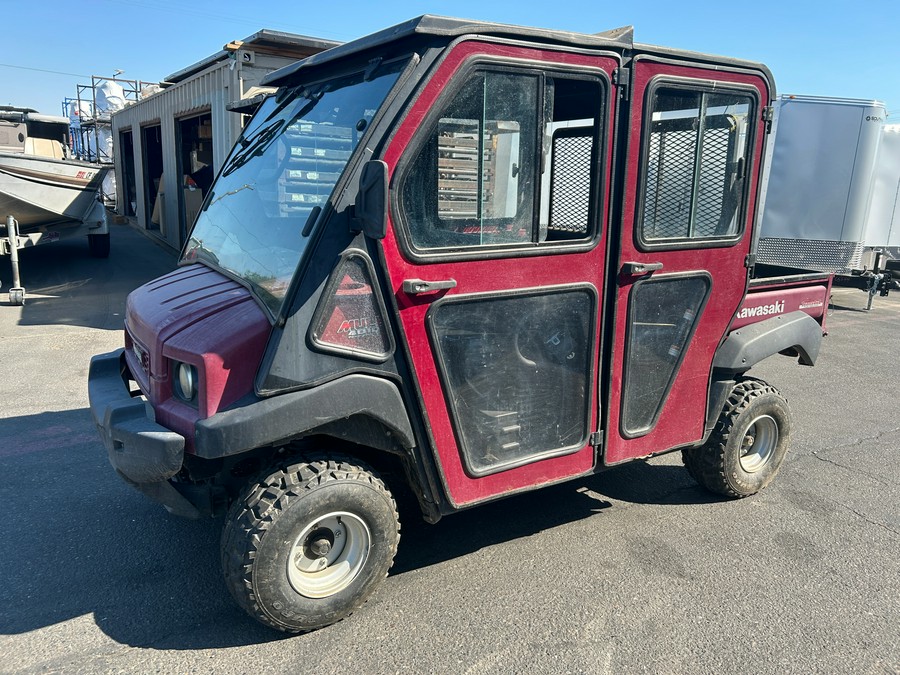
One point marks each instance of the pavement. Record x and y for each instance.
(635, 570)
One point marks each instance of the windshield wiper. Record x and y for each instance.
(263, 138)
(254, 147)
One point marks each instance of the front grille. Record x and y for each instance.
(137, 356)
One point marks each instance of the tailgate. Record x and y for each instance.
(773, 296)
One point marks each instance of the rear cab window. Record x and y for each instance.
(696, 150)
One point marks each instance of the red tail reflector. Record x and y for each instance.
(351, 318)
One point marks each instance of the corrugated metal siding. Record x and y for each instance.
(208, 91)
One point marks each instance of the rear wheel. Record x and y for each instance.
(99, 245)
(748, 444)
(309, 544)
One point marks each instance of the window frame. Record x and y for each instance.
(700, 86)
(628, 382)
(486, 63)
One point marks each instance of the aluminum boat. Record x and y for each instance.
(39, 184)
(44, 194)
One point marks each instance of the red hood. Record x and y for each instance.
(198, 316)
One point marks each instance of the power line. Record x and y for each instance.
(42, 70)
(248, 20)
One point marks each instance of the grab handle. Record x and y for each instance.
(635, 269)
(417, 286)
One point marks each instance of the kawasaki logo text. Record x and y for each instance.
(762, 310)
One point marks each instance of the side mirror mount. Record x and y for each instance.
(371, 205)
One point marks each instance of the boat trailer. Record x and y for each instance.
(12, 240)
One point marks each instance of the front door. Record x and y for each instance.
(496, 247)
(694, 148)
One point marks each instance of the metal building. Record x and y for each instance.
(170, 145)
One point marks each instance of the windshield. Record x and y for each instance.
(285, 164)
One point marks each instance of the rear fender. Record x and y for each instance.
(795, 332)
(751, 344)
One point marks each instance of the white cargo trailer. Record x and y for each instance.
(829, 195)
(883, 223)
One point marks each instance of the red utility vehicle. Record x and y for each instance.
(464, 260)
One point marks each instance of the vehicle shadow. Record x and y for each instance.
(79, 541)
(525, 515)
(64, 285)
(844, 304)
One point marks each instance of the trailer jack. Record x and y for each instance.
(873, 283)
(881, 283)
(16, 292)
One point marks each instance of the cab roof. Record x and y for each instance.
(620, 40)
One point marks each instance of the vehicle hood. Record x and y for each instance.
(199, 316)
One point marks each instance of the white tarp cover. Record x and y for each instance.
(110, 97)
(79, 111)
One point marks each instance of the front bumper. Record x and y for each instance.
(143, 452)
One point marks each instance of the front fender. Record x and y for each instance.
(751, 344)
(273, 420)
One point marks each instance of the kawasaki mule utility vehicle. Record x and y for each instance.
(461, 260)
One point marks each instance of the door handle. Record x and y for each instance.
(417, 286)
(635, 269)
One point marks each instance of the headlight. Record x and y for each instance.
(185, 382)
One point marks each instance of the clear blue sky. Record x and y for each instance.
(838, 48)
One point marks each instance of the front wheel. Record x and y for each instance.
(309, 544)
(748, 444)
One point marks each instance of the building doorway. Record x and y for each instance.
(129, 193)
(193, 136)
(155, 205)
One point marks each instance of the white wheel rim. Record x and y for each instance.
(328, 555)
(759, 443)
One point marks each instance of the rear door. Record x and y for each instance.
(694, 147)
(495, 253)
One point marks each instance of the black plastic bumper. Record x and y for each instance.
(143, 452)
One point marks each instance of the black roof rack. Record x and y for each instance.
(442, 26)
(619, 40)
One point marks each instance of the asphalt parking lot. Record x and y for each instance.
(633, 570)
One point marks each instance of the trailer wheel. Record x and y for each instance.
(98, 244)
(748, 444)
(308, 545)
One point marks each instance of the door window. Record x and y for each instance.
(510, 160)
(696, 152)
(663, 313)
(517, 370)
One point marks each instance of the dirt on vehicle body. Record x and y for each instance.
(465, 261)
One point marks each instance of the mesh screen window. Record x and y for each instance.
(696, 151)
